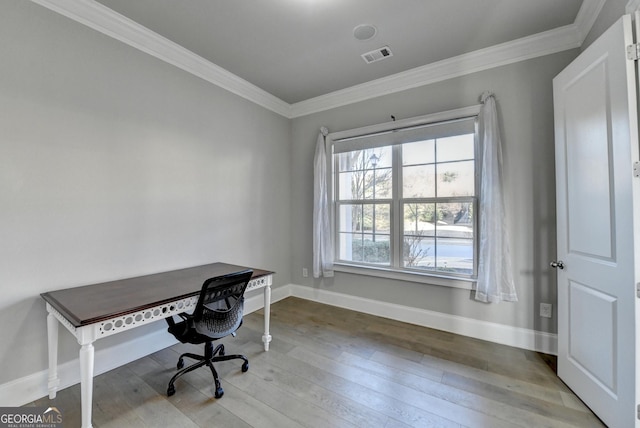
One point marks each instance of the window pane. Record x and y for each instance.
(350, 218)
(439, 237)
(380, 157)
(351, 185)
(350, 247)
(419, 219)
(383, 183)
(420, 152)
(419, 252)
(378, 183)
(460, 147)
(455, 220)
(455, 255)
(368, 219)
(456, 179)
(351, 161)
(377, 219)
(365, 248)
(418, 181)
(365, 174)
(375, 249)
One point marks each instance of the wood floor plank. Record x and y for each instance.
(395, 407)
(571, 401)
(206, 410)
(313, 393)
(374, 400)
(295, 336)
(276, 396)
(396, 391)
(510, 384)
(419, 371)
(143, 400)
(430, 347)
(331, 367)
(495, 405)
(532, 411)
(253, 411)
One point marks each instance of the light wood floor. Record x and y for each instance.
(330, 367)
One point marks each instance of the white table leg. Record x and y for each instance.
(52, 338)
(266, 338)
(86, 382)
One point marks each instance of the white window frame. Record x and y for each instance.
(430, 277)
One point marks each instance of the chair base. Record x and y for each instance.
(211, 356)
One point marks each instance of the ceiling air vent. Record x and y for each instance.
(377, 55)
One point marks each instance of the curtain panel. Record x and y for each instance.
(495, 276)
(322, 236)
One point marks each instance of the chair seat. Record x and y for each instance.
(184, 334)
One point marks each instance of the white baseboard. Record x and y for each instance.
(484, 330)
(32, 387)
(256, 302)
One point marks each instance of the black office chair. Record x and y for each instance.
(218, 314)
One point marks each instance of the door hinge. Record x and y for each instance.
(638, 294)
(633, 52)
(638, 409)
(636, 169)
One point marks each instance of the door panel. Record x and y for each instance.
(587, 163)
(592, 314)
(596, 144)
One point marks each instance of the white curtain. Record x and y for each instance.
(495, 276)
(322, 240)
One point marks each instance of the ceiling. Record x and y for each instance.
(288, 53)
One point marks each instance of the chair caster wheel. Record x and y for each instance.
(180, 364)
(170, 391)
(219, 392)
(245, 367)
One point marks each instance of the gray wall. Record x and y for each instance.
(115, 164)
(524, 98)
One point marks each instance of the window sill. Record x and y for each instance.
(441, 280)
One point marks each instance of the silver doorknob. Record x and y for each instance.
(559, 264)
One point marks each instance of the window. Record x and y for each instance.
(406, 199)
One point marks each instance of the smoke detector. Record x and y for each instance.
(364, 32)
(377, 55)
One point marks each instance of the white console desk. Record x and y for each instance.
(95, 311)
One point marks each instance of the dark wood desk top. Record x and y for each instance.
(99, 302)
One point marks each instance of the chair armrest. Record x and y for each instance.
(185, 316)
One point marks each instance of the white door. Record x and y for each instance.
(596, 144)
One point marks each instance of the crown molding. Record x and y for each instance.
(587, 16)
(106, 21)
(545, 43)
(632, 6)
(112, 24)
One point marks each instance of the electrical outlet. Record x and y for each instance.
(545, 310)
(305, 272)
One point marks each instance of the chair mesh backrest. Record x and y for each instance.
(221, 304)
